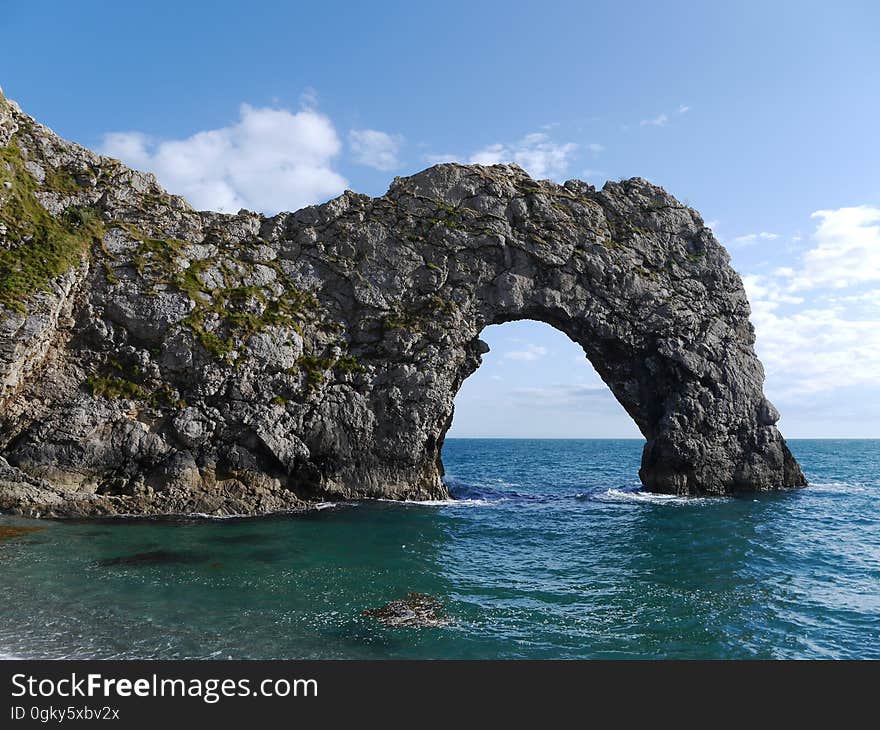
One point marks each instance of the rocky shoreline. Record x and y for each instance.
(155, 359)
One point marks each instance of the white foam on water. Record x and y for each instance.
(639, 496)
(338, 505)
(329, 505)
(179, 516)
(841, 487)
(237, 515)
(505, 483)
(443, 502)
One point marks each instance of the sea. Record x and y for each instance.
(549, 549)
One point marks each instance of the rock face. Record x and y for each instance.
(156, 359)
(415, 610)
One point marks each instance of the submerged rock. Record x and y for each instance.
(154, 557)
(10, 532)
(155, 359)
(416, 610)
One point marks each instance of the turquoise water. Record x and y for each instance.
(549, 551)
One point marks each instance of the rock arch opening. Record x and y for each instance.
(536, 383)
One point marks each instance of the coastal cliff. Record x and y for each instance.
(155, 359)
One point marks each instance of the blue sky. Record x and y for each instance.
(761, 115)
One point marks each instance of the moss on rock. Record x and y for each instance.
(40, 246)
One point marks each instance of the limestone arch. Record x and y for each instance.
(639, 282)
(268, 362)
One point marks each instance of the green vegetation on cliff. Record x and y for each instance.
(40, 246)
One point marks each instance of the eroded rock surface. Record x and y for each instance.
(156, 359)
(415, 610)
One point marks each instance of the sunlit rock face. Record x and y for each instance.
(156, 359)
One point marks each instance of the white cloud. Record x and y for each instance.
(767, 291)
(661, 120)
(817, 348)
(491, 155)
(375, 149)
(565, 396)
(870, 298)
(269, 160)
(827, 341)
(847, 251)
(536, 153)
(588, 173)
(750, 238)
(596, 148)
(130, 147)
(441, 158)
(658, 121)
(529, 354)
(309, 98)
